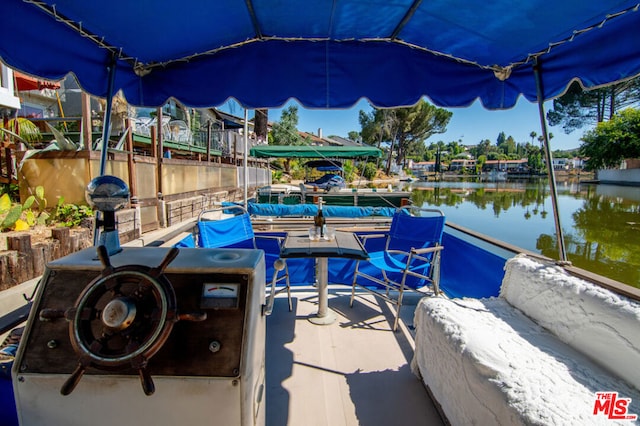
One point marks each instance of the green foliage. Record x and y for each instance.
(27, 204)
(43, 218)
(296, 169)
(578, 107)
(612, 141)
(11, 218)
(276, 176)
(30, 218)
(534, 159)
(285, 131)
(70, 215)
(39, 198)
(26, 130)
(5, 203)
(370, 171)
(405, 128)
(349, 170)
(22, 217)
(11, 189)
(61, 142)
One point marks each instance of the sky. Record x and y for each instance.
(471, 125)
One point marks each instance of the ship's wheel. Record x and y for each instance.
(121, 319)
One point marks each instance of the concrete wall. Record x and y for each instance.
(625, 177)
(157, 181)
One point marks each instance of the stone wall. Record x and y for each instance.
(181, 210)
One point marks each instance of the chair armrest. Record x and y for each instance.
(402, 252)
(278, 266)
(418, 253)
(364, 237)
(269, 237)
(427, 250)
(277, 238)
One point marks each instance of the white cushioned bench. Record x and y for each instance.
(537, 354)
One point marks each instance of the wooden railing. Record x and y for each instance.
(7, 164)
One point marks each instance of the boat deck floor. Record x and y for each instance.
(355, 371)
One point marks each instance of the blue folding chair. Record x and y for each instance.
(230, 227)
(410, 259)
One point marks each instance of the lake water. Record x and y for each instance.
(601, 223)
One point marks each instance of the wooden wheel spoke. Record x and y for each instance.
(113, 286)
(96, 346)
(88, 314)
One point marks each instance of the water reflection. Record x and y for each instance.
(601, 223)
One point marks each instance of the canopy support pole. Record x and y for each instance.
(246, 158)
(98, 237)
(562, 254)
(106, 123)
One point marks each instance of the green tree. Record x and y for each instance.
(379, 126)
(482, 148)
(613, 140)
(285, 131)
(21, 130)
(534, 158)
(578, 107)
(506, 145)
(454, 148)
(404, 128)
(480, 162)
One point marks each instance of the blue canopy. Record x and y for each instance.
(324, 53)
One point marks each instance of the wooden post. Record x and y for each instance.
(235, 150)
(133, 187)
(154, 142)
(23, 269)
(159, 135)
(208, 141)
(19, 242)
(62, 234)
(87, 121)
(9, 163)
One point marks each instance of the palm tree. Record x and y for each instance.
(532, 135)
(21, 129)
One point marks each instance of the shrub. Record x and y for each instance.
(22, 217)
(370, 171)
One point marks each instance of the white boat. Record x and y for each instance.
(155, 335)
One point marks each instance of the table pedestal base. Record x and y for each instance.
(344, 245)
(328, 318)
(324, 315)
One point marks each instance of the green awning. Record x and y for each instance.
(305, 151)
